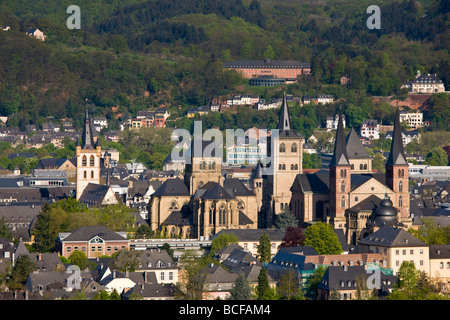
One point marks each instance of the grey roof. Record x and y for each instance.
(303, 250)
(392, 237)
(86, 233)
(89, 133)
(213, 190)
(244, 219)
(215, 274)
(397, 154)
(178, 218)
(314, 182)
(172, 187)
(46, 261)
(355, 149)
(440, 252)
(94, 194)
(254, 234)
(344, 278)
(236, 188)
(371, 203)
(266, 63)
(151, 290)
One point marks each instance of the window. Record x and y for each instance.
(162, 276)
(411, 251)
(397, 252)
(282, 147)
(85, 174)
(400, 186)
(84, 161)
(171, 275)
(294, 147)
(441, 265)
(404, 252)
(400, 201)
(92, 161)
(343, 186)
(92, 174)
(342, 202)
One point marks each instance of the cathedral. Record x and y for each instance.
(204, 202)
(350, 195)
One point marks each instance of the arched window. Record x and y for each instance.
(352, 166)
(284, 167)
(222, 215)
(400, 201)
(281, 206)
(400, 186)
(356, 199)
(343, 186)
(92, 161)
(292, 167)
(211, 215)
(92, 174)
(365, 167)
(173, 205)
(294, 147)
(280, 167)
(343, 202)
(84, 161)
(282, 147)
(85, 174)
(361, 166)
(296, 166)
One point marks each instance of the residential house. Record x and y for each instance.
(343, 283)
(426, 83)
(413, 119)
(397, 245)
(38, 34)
(370, 129)
(407, 136)
(249, 238)
(332, 122)
(440, 265)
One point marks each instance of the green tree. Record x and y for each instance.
(144, 232)
(430, 233)
(312, 282)
(289, 286)
(378, 162)
(5, 230)
(322, 238)
(285, 219)
(242, 289)
(50, 221)
(223, 240)
(23, 267)
(80, 259)
(269, 53)
(167, 248)
(264, 248)
(437, 157)
(263, 288)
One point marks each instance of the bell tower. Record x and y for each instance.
(88, 155)
(340, 178)
(397, 172)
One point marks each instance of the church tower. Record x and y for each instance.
(286, 151)
(340, 178)
(88, 156)
(397, 174)
(205, 165)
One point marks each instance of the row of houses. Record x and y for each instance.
(155, 275)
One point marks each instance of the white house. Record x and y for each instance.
(413, 119)
(38, 34)
(370, 129)
(332, 122)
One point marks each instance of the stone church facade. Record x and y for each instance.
(348, 194)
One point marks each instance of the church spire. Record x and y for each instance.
(87, 140)
(284, 122)
(397, 154)
(340, 157)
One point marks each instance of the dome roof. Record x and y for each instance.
(386, 214)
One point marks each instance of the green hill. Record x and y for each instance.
(147, 54)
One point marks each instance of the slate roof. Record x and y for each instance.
(236, 188)
(391, 237)
(88, 232)
(285, 123)
(355, 149)
(440, 252)
(213, 190)
(266, 63)
(340, 157)
(178, 218)
(244, 219)
(336, 275)
(397, 154)
(216, 274)
(254, 234)
(151, 291)
(94, 194)
(371, 203)
(172, 187)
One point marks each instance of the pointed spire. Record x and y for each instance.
(397, 154)
(355, 149)
(258, 171)
(340, 157)
(87, 141)
(284, 122)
